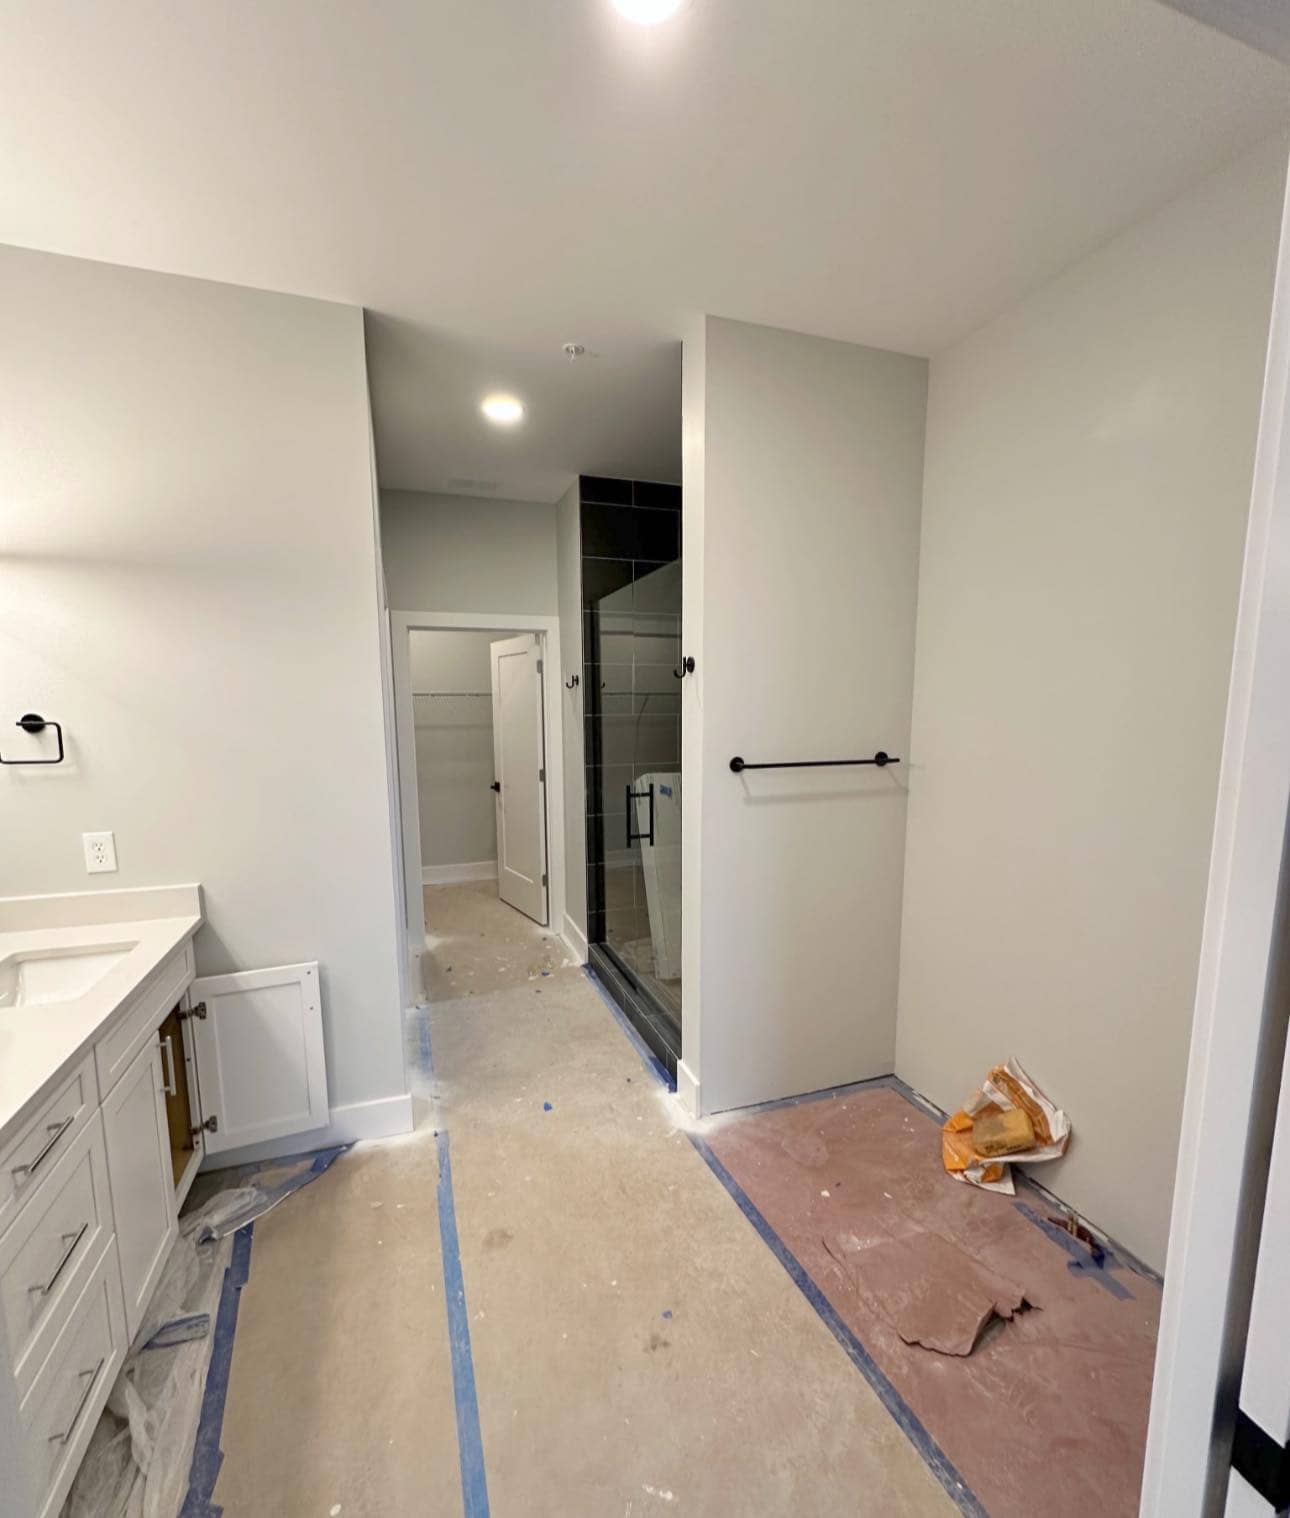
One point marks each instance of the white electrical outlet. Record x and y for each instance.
(100, 852)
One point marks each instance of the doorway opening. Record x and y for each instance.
(480, 769)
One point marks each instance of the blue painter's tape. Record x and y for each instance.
(937, 1460)
(426, 1060)
(941, 1466)
(1082, 1262)
(1120, 1257)
(652, 1063)
(470, 1444)
(207, 1455)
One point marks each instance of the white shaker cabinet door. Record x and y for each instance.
(142, 1179)
(261, 1067)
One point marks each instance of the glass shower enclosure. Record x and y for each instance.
(631, 568)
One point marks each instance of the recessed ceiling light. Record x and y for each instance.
(648, 12)
(505, 410)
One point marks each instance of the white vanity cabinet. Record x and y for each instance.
(144, 1206)
(93, 1173)
(215, 1064)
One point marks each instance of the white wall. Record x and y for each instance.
(805, 520)
(454, 742)
(462, 553)
(1089, 459)
(569, 578)
(188, 582)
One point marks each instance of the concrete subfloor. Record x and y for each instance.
(635, 1346)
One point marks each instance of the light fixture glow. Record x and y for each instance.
(648, 12)
(505, 410)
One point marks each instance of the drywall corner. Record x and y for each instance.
(568, 550)
(693, 431)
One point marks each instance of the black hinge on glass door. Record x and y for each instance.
(632, 835)
(1263, 1462)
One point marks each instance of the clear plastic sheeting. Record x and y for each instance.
(138, 1460)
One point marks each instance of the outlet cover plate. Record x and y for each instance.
(100, 853)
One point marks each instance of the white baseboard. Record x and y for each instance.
(687, 1090)
(575, 940)
(383, 1118)
(455, 874)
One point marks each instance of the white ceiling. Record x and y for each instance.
(492, 178)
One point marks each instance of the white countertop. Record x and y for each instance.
(38, 1044)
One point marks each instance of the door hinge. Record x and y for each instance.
(1263, 1462)
(542, 774)
(543, 877)
(211, 1125)
(198, 1011)
(541, 666)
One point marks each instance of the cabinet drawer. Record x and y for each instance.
(115, 1052)
(60, 1411)
(45, 1138)
(47, 1255)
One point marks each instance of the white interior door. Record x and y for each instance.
(261, 1067)
(519, 775)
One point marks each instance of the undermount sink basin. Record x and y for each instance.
(40, 976)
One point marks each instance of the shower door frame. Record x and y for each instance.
(642, 1007)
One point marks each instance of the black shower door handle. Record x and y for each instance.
(633, 836)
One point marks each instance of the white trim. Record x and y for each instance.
(386, 1117)
(1233, 1071)
(687, 1089)
(454, 874)
(402, 623)
(575, 940)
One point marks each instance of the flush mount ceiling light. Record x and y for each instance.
(504, 410)
(649, 12)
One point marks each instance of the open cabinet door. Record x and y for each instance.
(519, 775)
(261, 1069)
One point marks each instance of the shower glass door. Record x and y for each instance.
(632, 627)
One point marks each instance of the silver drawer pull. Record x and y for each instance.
(80, 1406)
(55, 1131)
(62, 1264)
(170, 1085)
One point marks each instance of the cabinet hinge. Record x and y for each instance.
(211, 1125)
(198, 1011)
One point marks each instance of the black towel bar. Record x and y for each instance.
(881, 759)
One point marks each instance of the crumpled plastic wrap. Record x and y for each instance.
(137, 1462)
(1006, 1087)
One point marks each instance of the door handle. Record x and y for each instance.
(80, 1406)
(44, 1288)
(632, 835)
(169, 1085)
(56, 1131)
(496, 786)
